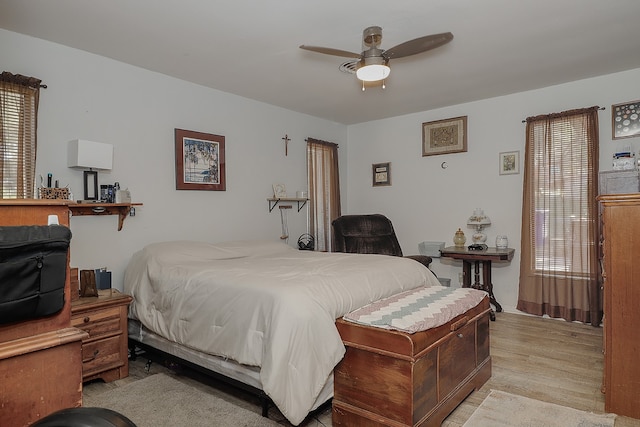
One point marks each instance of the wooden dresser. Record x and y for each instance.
(104, 318)
(621, 265)
(40, 359)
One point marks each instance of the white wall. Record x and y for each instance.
(95, 98)
(426, 202)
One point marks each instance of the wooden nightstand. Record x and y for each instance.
(104, 318)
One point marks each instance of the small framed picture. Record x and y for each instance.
(381, 174)
(279, 191)
(444, 136)
(625, 120)
(509, 162)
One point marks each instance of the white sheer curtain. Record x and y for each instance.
(324, 190)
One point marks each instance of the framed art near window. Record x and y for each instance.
(509, 162)
(625, 120)
(444, 136)
(200, 162)
(381, 174)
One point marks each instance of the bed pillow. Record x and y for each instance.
(256, 247)
(188, 250)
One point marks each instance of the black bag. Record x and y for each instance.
(33, 269)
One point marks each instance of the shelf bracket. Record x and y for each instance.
(274, 202)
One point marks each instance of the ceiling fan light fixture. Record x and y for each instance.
(373, 69)
(373, 72)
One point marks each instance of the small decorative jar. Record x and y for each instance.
(502, 242)
(459, 238)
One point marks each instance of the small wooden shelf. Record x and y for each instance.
(273, 202)
(120, 209)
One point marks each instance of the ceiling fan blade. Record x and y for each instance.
(330, 51)
(419, 45)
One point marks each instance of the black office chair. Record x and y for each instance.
(84, 417)
(369, 234)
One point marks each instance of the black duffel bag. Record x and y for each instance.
(33, 270)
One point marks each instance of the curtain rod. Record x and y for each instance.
(599, 109)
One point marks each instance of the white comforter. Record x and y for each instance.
(264, 304)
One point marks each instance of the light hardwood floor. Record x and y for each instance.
(545, 359)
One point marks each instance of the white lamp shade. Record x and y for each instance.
(88, 154)
(478, 218)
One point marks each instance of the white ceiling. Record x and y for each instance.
(250, 47)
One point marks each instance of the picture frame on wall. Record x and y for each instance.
(625, 120)
(200, 161)
(381, 174)
(509, 162)
(444, 136)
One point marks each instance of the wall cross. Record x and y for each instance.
(286, 140)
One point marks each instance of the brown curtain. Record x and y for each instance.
(324, 190)
(559, 266)
(19, 98)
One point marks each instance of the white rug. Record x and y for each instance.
(504, 409)
(162, 401)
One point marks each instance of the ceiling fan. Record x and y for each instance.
(372, 64)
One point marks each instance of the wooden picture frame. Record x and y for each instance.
(444, 136)
(200, 161)
(381, 174)
(625, 120)
(509, 162)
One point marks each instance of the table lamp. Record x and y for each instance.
(479, 221)
(83, 154)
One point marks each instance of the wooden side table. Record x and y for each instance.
(104, 318)
(476, 257)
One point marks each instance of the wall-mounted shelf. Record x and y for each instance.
(273, 202)
(120, 209)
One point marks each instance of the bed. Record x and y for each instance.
(259, 312)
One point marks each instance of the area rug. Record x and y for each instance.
(162, 401)
(504, 409)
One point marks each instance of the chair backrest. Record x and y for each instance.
(365, 234)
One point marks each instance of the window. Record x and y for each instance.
(559, 265)
(19, 96)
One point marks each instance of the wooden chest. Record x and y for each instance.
(392, 378)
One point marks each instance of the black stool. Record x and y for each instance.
(84, 417)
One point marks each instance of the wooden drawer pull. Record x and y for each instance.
(93, 357)
(86, 319)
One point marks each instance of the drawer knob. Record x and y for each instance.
(93, 356)
(86, 319)
(460, 336)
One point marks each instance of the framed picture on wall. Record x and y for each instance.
(444, 136)
(625, 120)
(509, 162)
(200, 163)
(381, 174)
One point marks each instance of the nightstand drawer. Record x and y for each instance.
(99, 323)
(101, 355)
